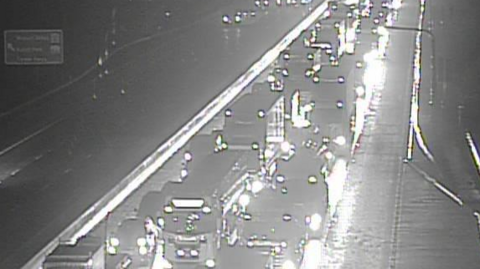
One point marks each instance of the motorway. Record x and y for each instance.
(389, 215)
(65, 150)
(295, 197)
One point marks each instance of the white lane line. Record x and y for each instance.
(438, 185)
(26, 139)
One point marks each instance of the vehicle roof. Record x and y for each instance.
(205, 176)
(248, 105)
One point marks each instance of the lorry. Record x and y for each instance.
(192, 216)
(257, 122)
(282, 220)
(88, 253)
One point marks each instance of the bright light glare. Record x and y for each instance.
(360, 91)
(285, 146)
(210, 263)
(194, 253)
(143, 250)
(288, 264)
(183, 173)
(335, 183)
(187, 156)
(381, 30)
(206, 210)
(396, 4)
(160, 262)
(114, 242)
(168, 209)
(225, 19)
(180, 252)
(340, 140)
(244, 200)
(257, 186)
(312, 254)
(112, 250)
(141, 242)
(374, 75)
(315, 222)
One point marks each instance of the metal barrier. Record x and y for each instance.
(98, 211)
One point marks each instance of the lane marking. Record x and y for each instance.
(26, 139)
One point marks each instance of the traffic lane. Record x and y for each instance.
(275, 217)
(239, 257)
(420, 235)
(369, 221)
(140, 127)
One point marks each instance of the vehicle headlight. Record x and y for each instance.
(168, 209)
(312, 179)
(111, 250)
(308, 73)
(188, 156)
(210, 263)
(180, 252)
(194, 253)
(288, 264)
(280, 178)
(141, 242)
(225, 19)
(238, 18)
(161, 222)
(183, 173)
(114, 242)
(339, 104)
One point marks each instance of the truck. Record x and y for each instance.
(257, 121)
(88, 253)
(281, 220)
(347, 14)
(192, 216)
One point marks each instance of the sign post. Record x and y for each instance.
(33, 47)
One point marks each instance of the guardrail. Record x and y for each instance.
(98, 211)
